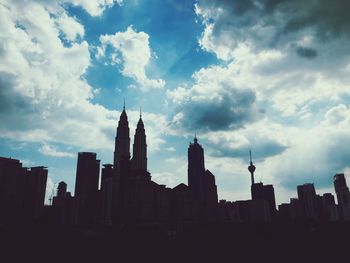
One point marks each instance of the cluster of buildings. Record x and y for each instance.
(22, 191)
(126, 193)
(309, 206)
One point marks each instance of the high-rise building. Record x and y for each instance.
(264, 192)
(329, 208)
(86, 185)
(201, 182)
(34, 194)
(196, 168)
(308, 200)
(12, 176)
(88, 169)
(343, 196)
(139, 159)
(122, 142)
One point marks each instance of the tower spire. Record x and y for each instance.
(122, 141)
(251, 167)
(140, 113)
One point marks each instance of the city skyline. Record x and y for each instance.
(271, 76)
(124, 192)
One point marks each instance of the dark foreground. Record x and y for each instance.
(173, 243)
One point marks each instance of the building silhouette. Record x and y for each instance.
(129, 194)
(201, 182)
(343, 196)
(263, 196)
(34, 191)
(86, 187)
(22, 191)
(122, 143)
(139, 158)
(126, 193)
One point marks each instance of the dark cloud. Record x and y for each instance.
(325, 19)
(15, 109)
(306, 52)
(231, 109)
(330, 19)
(262, 149)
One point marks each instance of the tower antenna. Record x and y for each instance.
(124, 104)
(251, 167)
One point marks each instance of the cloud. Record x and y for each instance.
(213, 103)
(94, 7)
(44, 96)
(131, 50)
(230, 145)
(269, 23)
(70, 27)
(306, 52)
(53, 152)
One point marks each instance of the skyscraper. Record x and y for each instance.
(195, 166)
(307, 197)
(86, 185)
(34, 193)
(139, 159)
(201, 182)
(88, 169)
(122, 142)
(343, 196)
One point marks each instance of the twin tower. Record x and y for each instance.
(122, 145)
(130, 194)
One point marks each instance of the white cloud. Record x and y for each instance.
(49, 150)
(70, 27)
(44, 95)
(135, 54)
(94, 7)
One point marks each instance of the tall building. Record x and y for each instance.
(196, 168)
(307, 197)
(34, 193)
(87, 177)
(122, 142)
(86, 185)
(201, 182)
(12, 176)
(343, 196)
(329, 208)
(139, 159)
(264, 192)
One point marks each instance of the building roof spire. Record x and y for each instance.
(195, 138)
(140, 112)
(124, 105)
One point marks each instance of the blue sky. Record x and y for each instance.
(267, 75)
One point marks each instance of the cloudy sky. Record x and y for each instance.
(270, 75)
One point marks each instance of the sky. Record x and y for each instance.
(267, 75)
